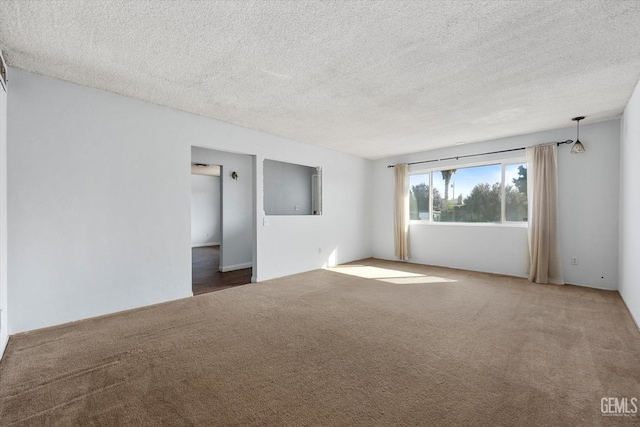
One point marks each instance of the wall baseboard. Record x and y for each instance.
(3, 345)
(202, 245)
(410, 261)
(524, 276)
(633, 319)
(600, 288)
(233, 267)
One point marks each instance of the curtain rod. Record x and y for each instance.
(568, 141)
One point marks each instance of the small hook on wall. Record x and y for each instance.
(234, 175)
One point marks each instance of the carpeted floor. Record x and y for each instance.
(382, 344)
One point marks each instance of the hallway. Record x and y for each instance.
(206, 276)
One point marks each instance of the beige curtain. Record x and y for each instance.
(544, 245)
(402, 210)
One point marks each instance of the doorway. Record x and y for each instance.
(206, 275)
(221, 220)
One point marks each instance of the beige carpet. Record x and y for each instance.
(413, 345)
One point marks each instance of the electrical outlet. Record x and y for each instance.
(296, 208)
(319, 250)
(574, 260)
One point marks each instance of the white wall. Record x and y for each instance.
(629, 259)
(237, 206)
(306, 242)
(588, 190)
(4, 326)
(99, 202)
(205, 210)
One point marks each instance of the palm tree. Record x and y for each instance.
(446, 175)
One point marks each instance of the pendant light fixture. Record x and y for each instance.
(577, 147)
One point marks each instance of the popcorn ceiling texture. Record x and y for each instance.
(372, 79)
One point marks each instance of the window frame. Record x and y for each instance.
(503, 221)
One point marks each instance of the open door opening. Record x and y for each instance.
(218, 229)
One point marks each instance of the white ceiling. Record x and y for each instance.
(369, 78)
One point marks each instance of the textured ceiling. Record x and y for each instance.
(368, 78)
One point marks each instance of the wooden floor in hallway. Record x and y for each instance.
(206, 275)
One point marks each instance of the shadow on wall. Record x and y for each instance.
(332, 261)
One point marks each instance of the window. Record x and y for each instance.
(492, 193)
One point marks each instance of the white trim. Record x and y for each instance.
(4, 319)
(410, 261)
(430, 198)
(202, 245)
(600, 288)
(635, 322)
(521, 224)
(4, 340)
(503, 203)
(511, 275)
(226, 268)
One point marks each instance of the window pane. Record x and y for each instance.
(440, 197)
(419, 196)
(468, 194)
(515, 179)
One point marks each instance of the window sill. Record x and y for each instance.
(471, 224)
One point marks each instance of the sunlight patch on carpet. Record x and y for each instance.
(417, 280)
(397, 277)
